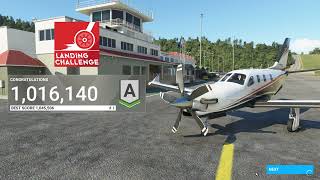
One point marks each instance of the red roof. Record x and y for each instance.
(18, 58)
(187, 57)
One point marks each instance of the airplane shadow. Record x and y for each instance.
(256, 122)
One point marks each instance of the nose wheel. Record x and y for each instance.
(294, 120)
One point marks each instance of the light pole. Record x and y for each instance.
(201, 18)
(233, 54)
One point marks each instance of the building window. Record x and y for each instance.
(117, 14)
(136, 70)
(46, 34)
(264, 78)
(126, 46)
(129, 18)
(107, 42)
(136, 21)
(100, 40)
(126, 70)
(96, 16)
(41, 34)
(52, 34)
(143, 70)
(104, 41)
(258, 78)
(106, 15)
(142, 50)
(154, 52)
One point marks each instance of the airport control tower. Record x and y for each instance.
(117, 15)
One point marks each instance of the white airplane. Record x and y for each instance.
(235, 90)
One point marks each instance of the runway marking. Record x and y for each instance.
(224, 171)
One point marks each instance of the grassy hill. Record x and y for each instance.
(310, 61)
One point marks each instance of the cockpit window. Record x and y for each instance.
(225, 77)
(237, 78)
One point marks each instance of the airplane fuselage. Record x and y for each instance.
(239, 87)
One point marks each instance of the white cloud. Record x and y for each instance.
(304, 45)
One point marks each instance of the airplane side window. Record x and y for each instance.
(264, 78)
(258, 78)
(271, 78)
(251, 81)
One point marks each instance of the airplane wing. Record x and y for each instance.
(289, 104)
(156, 83)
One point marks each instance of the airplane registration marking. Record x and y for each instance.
(224, 171)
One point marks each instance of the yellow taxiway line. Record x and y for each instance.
(224, 171)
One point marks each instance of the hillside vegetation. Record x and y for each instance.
(310, 61)
(246, 54)
(16, 23)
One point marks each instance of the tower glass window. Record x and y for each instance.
(106, 15)
(129, 18)
(96, 16)
(116, 14)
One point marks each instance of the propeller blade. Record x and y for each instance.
(202, 125)
(179, 78)
(177, 123)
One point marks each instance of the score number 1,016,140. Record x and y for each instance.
(90, 93)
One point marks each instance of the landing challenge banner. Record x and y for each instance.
(53, 93)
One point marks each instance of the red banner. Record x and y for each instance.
(76, 44)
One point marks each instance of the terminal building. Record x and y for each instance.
(125, 48)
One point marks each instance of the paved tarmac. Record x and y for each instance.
(142, 146)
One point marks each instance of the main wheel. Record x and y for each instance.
(294, 120)
(84, 39)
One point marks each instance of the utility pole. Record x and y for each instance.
(233, 54)
(218, 64)
(212, 62)
(201, 18)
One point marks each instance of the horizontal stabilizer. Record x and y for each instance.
(289, 104)
(156, 83)
(300, 71)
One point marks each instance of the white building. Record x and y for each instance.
(124, 46)
(13, 39)
(17, 56)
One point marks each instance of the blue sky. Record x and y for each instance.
(261, 21)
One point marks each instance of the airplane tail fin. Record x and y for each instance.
(282, 59)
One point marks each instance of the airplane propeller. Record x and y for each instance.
(185, 103)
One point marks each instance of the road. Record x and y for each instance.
(142, 146)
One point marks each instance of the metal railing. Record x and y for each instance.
(88, 3)
(121, 22)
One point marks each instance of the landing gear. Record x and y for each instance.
(294, 120)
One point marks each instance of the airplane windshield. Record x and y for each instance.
(225, 77)
(237, 78)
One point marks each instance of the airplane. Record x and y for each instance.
(236, 89)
